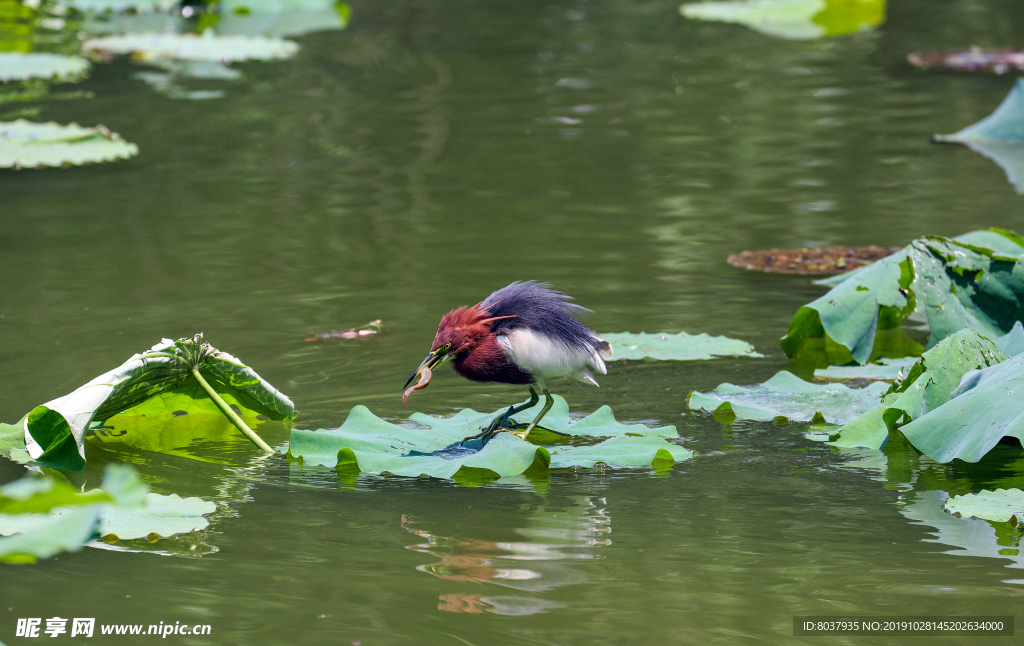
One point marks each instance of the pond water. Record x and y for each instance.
(416, 161)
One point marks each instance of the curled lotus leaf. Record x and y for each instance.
(18, 66)
(984, 408)
(999, 136)
(55, 431)
(24, 144)
(787, 396)
(189, 47)
(928, 384)
(678, 347)
(974, 281)
(433, 447)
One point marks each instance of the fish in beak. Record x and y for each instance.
(424, 373)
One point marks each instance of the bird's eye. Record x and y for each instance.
(446, 347)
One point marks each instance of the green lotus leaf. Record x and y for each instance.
(140, 6)
(17, 66)
(793, 19)
(189, 47)
(928, 384)
(44, 516)
(985, 407)
(1004, 126)
(24, 144)
(48, 535)
(376, 446)
(957, 284)
(158, 514)
(55, 431)
(1001, 505)
(1012, 343)
(786, 395)
(881, 369)
(678, 347)
(281, 17)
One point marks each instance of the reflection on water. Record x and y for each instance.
(925, 486)
(554, 538)
(972, 536)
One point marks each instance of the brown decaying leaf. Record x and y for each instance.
(974, 59)
(825, 261)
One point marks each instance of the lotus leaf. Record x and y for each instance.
(1001, 505)
(983, 409)
(188, 47)
(44, 516)
(140, 6)
(1012, 343)
(281, 17)
(786, 395)
(927, 385)
(48, 535)
(881, 369)
(24, 144)
(999, 136)
(159, 514)
(956, 283)
(793, 19)
(678, 347)
(376, 446)
(55, 431)
(16, 66)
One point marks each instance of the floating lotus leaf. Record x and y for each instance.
(793, 19)
(927, 385)
(99, 6)
(281, 17)
(376, 446)
(985, 407)
(956, 283)
(189, 47)
(159, 514)
(45, 516)
(54, 431)
(881, 369)
(1001, 505)
(678, 347)
(16, 66)
(786, 395)
(24, 144)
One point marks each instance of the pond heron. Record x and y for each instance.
(521, 334)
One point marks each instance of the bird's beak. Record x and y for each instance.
(434, 358)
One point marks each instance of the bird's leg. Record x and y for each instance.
(501, 420)
(549, 401)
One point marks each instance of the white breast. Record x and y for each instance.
(545, 357)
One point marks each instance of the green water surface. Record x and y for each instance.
(431, 153)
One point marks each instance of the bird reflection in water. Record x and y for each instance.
(542, 560)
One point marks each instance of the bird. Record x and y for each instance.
(522, 334)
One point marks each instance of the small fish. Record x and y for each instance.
(424, 381)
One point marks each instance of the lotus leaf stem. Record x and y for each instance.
(232, 415)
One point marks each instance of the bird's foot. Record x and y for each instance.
(503, 422)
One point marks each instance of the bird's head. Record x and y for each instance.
(457, 334)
